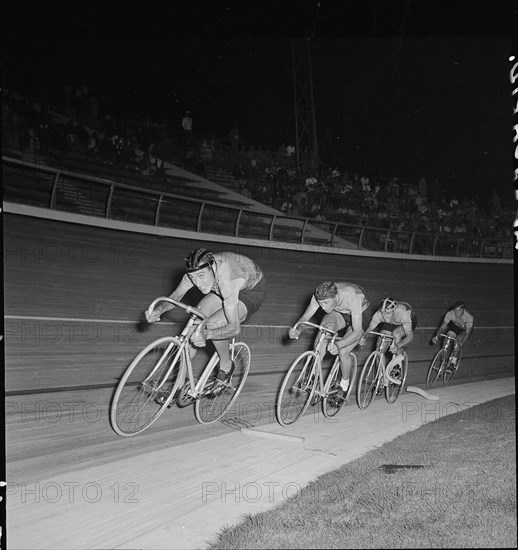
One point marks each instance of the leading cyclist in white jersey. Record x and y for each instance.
(234, 288)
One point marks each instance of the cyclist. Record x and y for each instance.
(344, 305)
(396, 318)
(457, 323)
(234, 288)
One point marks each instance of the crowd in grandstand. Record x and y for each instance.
(270, 177)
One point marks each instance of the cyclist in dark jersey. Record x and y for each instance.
(458, 323)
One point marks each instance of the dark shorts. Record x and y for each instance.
(366, 316)
(389, 327)
(253, 298)
(454, 328)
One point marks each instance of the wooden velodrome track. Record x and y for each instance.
(74, 301)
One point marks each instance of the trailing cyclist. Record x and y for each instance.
(344, 305)
(458, 324)
(234, 288)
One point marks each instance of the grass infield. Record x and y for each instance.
(465, 496)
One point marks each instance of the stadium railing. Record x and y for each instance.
(47, 187)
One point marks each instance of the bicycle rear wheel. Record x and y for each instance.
(147, 388)
(368, 380)
(450, 369)
(297, 389)
(399, 371)
(331, 405)
(435, 368)
(216, 396)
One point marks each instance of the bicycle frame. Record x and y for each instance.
(319, 382)
(384, 375)
(195, 314)
(448, 345)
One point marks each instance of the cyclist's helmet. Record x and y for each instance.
(388, 305)
(198, 259)
(326, 290)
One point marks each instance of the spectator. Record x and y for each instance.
(235, 139)
(206, 152)
(187, 127)
(44, 130)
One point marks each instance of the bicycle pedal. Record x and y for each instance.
(161, 399)
(184, 397)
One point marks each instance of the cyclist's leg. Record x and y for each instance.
(217, 320)
(335, 321)
(456, 346)
(249, 302)
(345, 358)
(398, 333)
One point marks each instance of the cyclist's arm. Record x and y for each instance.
(443, 326)
(465, 335)
(355, 335)
(375, 321)
(409, 335)
(441, 330)
(177, 294)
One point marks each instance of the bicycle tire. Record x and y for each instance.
(448, 375)
(369, 379)
(217, 397)
(134, 405)
(393, 391)
(295, 393)
(330, 407)
(435, 369)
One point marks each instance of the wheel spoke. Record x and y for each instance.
(296, 390)
(217, 397)
(145, 389)
(393, 391)
(368, 380)
(435, 368)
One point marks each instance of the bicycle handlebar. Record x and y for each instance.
(389, 336)
(189, 309)
(314, 325)
(450, 337)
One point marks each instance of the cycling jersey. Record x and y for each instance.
(403, 314)
(233, 274)
(464, 321)
(347, 297)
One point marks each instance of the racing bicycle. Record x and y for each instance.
(375, 377)
(152, 381)
(442, 363)
(304, 382)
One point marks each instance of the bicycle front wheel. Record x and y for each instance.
(216, 397)
(331, 405)
(435, 368)
(147, 387)
(297, 389)
(368, 380)
(399, 372)
(450, 370)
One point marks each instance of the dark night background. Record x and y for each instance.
(402, 88)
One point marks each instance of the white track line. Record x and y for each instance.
(78, 320)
